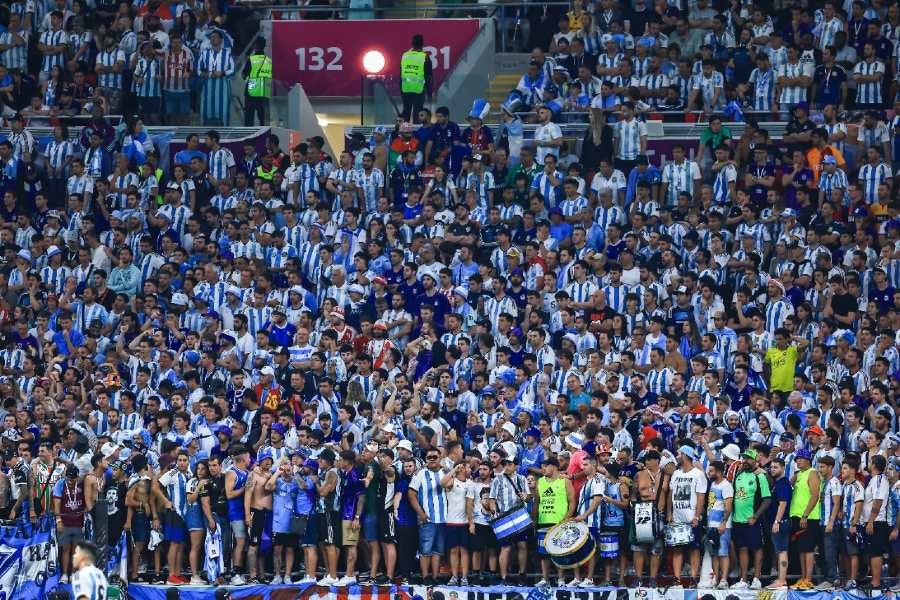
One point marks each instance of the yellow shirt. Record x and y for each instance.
(783, 364)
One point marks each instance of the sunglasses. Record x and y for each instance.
(432, 457)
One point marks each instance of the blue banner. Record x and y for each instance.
(28, 559)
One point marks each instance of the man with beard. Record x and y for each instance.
(379, 347)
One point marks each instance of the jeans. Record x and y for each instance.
(831, 543)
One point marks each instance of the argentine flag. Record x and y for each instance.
(117, 563)
(215, 564)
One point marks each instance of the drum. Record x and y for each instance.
(679, 534)
(609, 545)
(510, 523)
(645, 525)
(570, 544)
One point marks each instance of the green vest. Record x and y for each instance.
(259, 81)
(412, 72)
(801, 496)
(159, 177)
(263, 174)
(553, 502)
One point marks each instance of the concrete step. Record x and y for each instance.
(511, 62)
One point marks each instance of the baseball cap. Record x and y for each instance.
(815, 430)
(750, 453)
(687, 451)
(803, 453)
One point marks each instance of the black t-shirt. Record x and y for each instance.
(116, 510)
(457, 228)
(844, 304)
(214, 489)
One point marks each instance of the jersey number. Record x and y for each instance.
(314, 58)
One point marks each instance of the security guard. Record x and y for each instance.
(258, 74)
(415, 78)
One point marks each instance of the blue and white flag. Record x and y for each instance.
(118, 559)
(215, 564)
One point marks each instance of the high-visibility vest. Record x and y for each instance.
(259, 82)
(263, 174)
(412, 72)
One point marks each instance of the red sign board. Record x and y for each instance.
(326, 57)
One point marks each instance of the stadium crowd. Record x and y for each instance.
(294, 366)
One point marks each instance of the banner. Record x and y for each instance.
(28, 559)
(439, 592)
(326, 57)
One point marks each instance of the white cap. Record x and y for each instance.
(731, 452)
(267, 370)
(356, 288)
(179, 299)
(509, 428)
(108, 449)
(405, 444)
(233, 289)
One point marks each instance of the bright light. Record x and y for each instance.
(373, 62)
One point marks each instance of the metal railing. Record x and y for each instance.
(509, 16)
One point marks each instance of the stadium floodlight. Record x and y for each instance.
(373, 62)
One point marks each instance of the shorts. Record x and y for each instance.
(878, 543)
(849, 542)
(370, 528)
(431, 539)
(349, 536)
(456, 536)
(484, 538)
(387, 527)
(724, 543)
(239, 529)
(806, 540)
(194, 518)
(174, 528)
(310, 538)
(654, 548)
(330, 528)
(258, 523)
(285, 539)
(541, 534)
(747, 536)
(70, 535)
(177, 103)
(781, 541)
(140, 528)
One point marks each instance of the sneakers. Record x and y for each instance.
(541, 583)
(825, 586)
(775, 586)
(328, 580)
(586, 582)
(453, 581)
(197, 580)
(705, 584)
(723, 585)
(850, 585)
(385, 580)
(236, 579)
(803, 585)
(756, 584)
(277, 580)
(346, 580)
(176, 580)
(464, 582)
(575, 583)
(741, 585)
(307, 579)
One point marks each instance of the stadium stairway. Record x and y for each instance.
(509, 67)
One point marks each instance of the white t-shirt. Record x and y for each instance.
(878, 489)
(546, 133)
(718, 494)
(684, 488)
(456, 501)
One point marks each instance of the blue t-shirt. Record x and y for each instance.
(283, 499)
(782, 493)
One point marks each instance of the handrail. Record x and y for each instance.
(400, 9)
